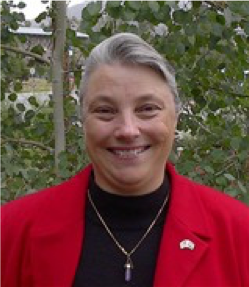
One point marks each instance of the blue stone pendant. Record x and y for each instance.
(128, 266)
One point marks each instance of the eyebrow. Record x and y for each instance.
(147, 97)
(103, 98)
(150, 97)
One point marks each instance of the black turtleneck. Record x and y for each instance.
(128, 217)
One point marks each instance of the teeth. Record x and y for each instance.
(128, 153)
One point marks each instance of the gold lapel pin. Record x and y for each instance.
(187, 244)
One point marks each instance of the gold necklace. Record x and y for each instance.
(128, 264)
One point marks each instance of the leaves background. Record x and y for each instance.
(205, 41)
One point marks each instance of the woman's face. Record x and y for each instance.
(129, 127)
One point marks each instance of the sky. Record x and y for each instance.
(35, 7)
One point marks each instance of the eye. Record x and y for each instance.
(149, 110)
(105, 112)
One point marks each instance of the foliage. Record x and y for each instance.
(206, 42)
(27, 145)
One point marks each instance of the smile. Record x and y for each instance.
(128, 152)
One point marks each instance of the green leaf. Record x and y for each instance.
(32, 100)
(173, 4)
(196, 4)
(114, 4)
(154, 6)
(21, 5)
(14, 25)
(246, 28)
(18, 87)
(217, 29)
(41, 17)
(86, 19)
(217, 154)
(221, 181)
(221, 19)
(38, 50)
(229, 176)
(17, 183)
(234, 192)
(209, 169)
(243, 155)
(20, 107)
(235, 143)
(94, 8)
(29, 115)
(245, 198)
(182, 17)
(242, 187)
(12, 97)
(134, 5)
(128, 15)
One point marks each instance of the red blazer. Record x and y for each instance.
(42, 237)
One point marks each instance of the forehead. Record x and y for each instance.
(123, 71)
(129, 80)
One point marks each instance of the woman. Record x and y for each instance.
(128, 219)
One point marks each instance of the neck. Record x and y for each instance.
(130, 189)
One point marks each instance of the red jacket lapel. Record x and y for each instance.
(174, 264)
(57, 240)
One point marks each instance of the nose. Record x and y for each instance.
(127, 128)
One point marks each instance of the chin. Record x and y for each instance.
(130, 180)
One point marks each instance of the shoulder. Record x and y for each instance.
(217, 218)
(28, 207)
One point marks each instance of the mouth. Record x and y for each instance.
(128, 153)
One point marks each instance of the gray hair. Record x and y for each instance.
(128, 48)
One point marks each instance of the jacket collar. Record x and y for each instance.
(186, 222)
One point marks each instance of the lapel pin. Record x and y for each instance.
(187, 244)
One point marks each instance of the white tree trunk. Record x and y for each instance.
(59, 26)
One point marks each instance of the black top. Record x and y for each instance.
(128, 217)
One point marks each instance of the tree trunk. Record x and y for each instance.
(59, 29)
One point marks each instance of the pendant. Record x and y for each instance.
(128, 266)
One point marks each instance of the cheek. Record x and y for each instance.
(163, 132)
(96, 133)
(159, 131)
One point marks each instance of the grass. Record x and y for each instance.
(36, 85)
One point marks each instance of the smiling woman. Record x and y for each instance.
(129, 127)
(128, 219)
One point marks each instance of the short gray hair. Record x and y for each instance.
(128, 48)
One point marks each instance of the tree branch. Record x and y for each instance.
(199, 123)
(26, 53)
(225, 168)
(28, 142)
(219, 5)
(216, 89)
